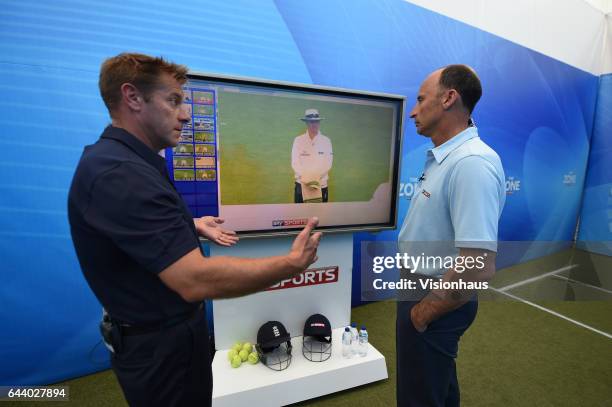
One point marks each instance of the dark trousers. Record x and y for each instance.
(426, 372)
(297, 195)
(171, 367)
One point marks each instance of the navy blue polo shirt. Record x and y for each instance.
(128, 223)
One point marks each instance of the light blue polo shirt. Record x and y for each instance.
(457, 203)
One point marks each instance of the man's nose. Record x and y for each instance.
(184, 113)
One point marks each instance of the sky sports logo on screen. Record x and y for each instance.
(289, 223)
(323, 275)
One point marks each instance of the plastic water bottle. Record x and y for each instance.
(347, 352)
(363, 341)
(354, 338)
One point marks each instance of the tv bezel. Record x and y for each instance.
(325, 91)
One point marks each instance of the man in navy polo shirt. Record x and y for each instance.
(454, 214)
(138, 244)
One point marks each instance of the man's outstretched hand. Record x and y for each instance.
(304, 248)
(208, 227)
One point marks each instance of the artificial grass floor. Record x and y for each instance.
(513, 355)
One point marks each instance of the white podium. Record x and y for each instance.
(325, 289)
(257, 385)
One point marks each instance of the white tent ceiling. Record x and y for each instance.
(605, 6)
(577, 32)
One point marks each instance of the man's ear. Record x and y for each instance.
(449, 98)
(132, 97)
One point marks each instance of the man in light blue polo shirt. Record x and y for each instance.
(453, 215)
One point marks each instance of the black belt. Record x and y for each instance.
(130, 330)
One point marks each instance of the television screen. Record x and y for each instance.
(266, 156)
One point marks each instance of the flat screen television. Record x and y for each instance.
(253, 155)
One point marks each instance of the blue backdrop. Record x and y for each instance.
(536, 112)
(596, 215)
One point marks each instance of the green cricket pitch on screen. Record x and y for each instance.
(256, 134)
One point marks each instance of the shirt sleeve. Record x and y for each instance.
(328, 158)
(133, 207)
(474, 202)
(295, 158)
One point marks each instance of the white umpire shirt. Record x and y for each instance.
(312, 157)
